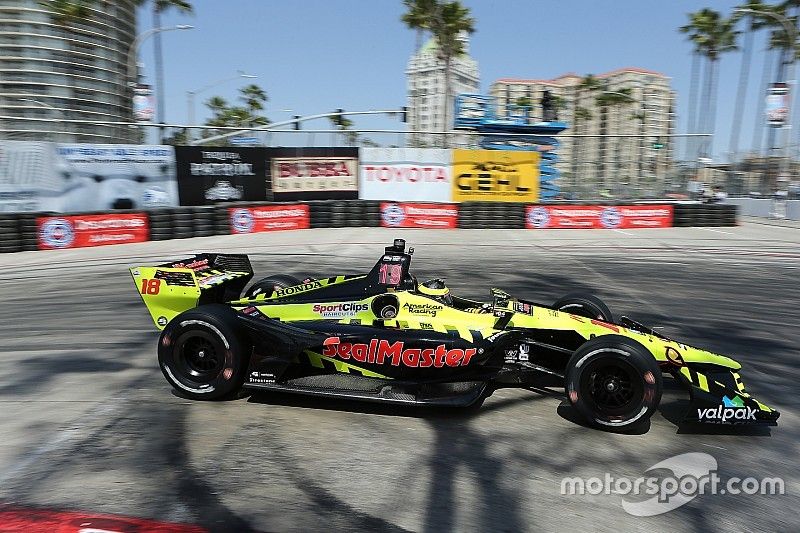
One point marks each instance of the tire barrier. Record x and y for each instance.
(18, 231)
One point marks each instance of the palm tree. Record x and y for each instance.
(417, 17)
(612, 100)
(588, 84)
(343, 123)
(66, 12)
(712, 35)
(253, 97)
(756, 21)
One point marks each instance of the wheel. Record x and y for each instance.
(202, 355)
(613, 382)
(268, 285)
(585, 305)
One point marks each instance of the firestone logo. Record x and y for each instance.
(57, 233)
(381, 351)
(393, 215)
(242, 221)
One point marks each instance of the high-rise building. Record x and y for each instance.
(646, 112)
(425, 76)
(65, 72)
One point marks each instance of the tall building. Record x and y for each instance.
(605, 161)
(74, 72)
(426, 92)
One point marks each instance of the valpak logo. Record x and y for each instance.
(393, 215)
(380, 352)
(339, 310)
(732, 411)
(57, 233)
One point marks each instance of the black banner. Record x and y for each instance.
(313, 173)
(229, 174)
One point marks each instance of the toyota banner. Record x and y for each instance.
(598, 216)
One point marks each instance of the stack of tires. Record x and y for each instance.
(221, 220)
(160, 222)
(28, 232)
(9, 234)
(183, 222)
(205, 221)
(321, 214)
(491, 215)
(683, 215)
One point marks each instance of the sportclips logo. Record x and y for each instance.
(339, 310)
(732, 411)
(380, 352)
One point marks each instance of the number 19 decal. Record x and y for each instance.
(151, 286)
(389, 274)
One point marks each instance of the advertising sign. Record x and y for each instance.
(269, 218)
(777, 108)
(144, 104)
(405, 174)
(598, 216)
(314, 173)
(495, 176)
(410, 215)
(79, 231)
(210, 175)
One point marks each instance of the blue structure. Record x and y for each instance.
(478, 112)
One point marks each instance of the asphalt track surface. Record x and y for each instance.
(88, 422)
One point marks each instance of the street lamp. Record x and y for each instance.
(137, 42)
(791, 31)
(191, 94)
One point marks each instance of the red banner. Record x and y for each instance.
(79, 231)
(269, 218)
(598, 216)
(431, 216)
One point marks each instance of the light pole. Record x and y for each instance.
(791, 32)
(190, 95)
(133, 51)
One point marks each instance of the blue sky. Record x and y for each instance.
(313, 56)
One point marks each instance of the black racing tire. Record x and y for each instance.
(268, 285)
(202, 354)
(614, 382)
(585, 305)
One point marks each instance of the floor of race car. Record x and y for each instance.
(89, 424)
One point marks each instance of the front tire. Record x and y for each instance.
(614, 382)
(202, 355)
(585, 305)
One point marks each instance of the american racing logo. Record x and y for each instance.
(339, 310)
(730, 412)
(380, 352)
(422, 309)
(298, 288)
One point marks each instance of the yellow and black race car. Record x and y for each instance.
(385, 337)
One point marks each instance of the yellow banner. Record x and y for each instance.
(495, 176)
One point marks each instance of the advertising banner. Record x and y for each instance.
(144, 104)
(409, 215)
(38, 176)
(314, 173)
(495, 176)
(598, 216)
(210, 175)
(777, 105)
(405, 174)
(79, 231)
(269, 218)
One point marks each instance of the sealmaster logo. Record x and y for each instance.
(57, 233)
(393, 215)
(380, 352)
(731, 411)
(339, 310)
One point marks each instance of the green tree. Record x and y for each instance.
(417, 17)
(523, 101)
(68, 12)
(247, 115)
(344, 124)
(612, 100)
(712, 35)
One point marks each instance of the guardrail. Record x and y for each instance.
(36, 231)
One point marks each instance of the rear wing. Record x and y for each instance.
(178, 286)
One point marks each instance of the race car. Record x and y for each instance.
(384, 336)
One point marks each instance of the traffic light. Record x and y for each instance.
(297, 122)
(657, 144)
(404, 115)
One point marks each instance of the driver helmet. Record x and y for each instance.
(436, 289)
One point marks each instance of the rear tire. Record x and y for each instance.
(202, 355)
(585, 305)
(268, 285)
(614, 382)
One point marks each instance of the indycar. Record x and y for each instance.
(384, 336)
